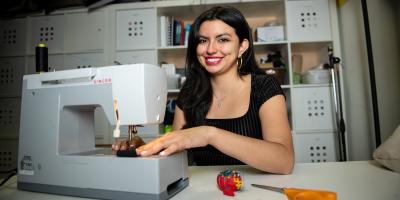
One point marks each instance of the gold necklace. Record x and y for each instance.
(219, 100)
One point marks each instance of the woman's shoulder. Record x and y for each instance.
(263, 87)
(263, 81)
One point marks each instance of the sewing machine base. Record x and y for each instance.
(102, 194)
(105, 176)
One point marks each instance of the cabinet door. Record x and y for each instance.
(12, 70)
(13, 37)
(313, 109)
(10, 109)
(136, 29)
(315, 147)
(48, 30)
(8, 154)
(308, 20)
(85, 31)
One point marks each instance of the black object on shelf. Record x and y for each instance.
(340, 124)
(41, 54)
(371, 67)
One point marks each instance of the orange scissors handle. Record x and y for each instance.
(305, 194)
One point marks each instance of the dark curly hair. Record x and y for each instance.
(196, 94)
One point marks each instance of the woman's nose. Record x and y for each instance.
(211, 48)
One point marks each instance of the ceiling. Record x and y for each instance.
(16, 8)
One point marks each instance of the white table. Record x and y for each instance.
(355, 180)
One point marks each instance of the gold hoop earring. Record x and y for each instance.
(239, 63)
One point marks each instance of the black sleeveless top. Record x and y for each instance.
(263, 87)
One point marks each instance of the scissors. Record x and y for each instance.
(301, 194)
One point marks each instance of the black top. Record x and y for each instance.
(263, 87)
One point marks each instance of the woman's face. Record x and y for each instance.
(219, 47)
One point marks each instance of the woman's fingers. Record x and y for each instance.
(119, 145)
(170, 150)
(116, 145)
(151, 148)
(165, 145)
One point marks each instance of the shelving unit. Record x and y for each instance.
(130, 33)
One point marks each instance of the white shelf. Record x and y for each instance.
(311, 85)
(255, 44)
(270, 43)
(172, 47)
(116, 43)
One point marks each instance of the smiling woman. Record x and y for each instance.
(229, 111)
(217, 50)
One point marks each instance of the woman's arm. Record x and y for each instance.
(272, 154)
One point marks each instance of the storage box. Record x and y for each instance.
(316, 76)
(270, 34)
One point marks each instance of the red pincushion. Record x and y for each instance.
(229, 181)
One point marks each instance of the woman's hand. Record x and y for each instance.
(177, 141)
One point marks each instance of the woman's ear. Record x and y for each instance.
(243, 47)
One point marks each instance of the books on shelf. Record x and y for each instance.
(173, 32)
(163, 29)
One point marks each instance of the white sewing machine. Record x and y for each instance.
(57, 152)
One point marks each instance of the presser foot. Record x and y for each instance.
(132, 144)
(130, 152)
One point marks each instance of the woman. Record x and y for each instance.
(228, 110)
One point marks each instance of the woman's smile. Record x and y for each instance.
(212, 60)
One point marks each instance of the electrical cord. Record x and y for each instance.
(12, 172)
(8, 171)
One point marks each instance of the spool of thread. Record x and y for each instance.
(41, 53)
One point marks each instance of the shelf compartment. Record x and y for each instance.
(261, 53)
(257, 13)
(307, 56)
(176, 56)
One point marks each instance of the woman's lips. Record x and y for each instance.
(213, 60)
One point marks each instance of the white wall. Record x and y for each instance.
(385, 41)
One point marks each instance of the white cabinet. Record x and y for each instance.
(12, 37)
(48, 30)
(84, 32)
(136, 29)
(308, 21)
(133, 33)
(11, 72)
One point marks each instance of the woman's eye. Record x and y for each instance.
(223, 40)
(201, 41)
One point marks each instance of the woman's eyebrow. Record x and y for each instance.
(220, 35)
(223, 34)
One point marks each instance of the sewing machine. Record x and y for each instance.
(57, 152)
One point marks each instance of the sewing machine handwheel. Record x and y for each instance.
(127, 153)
